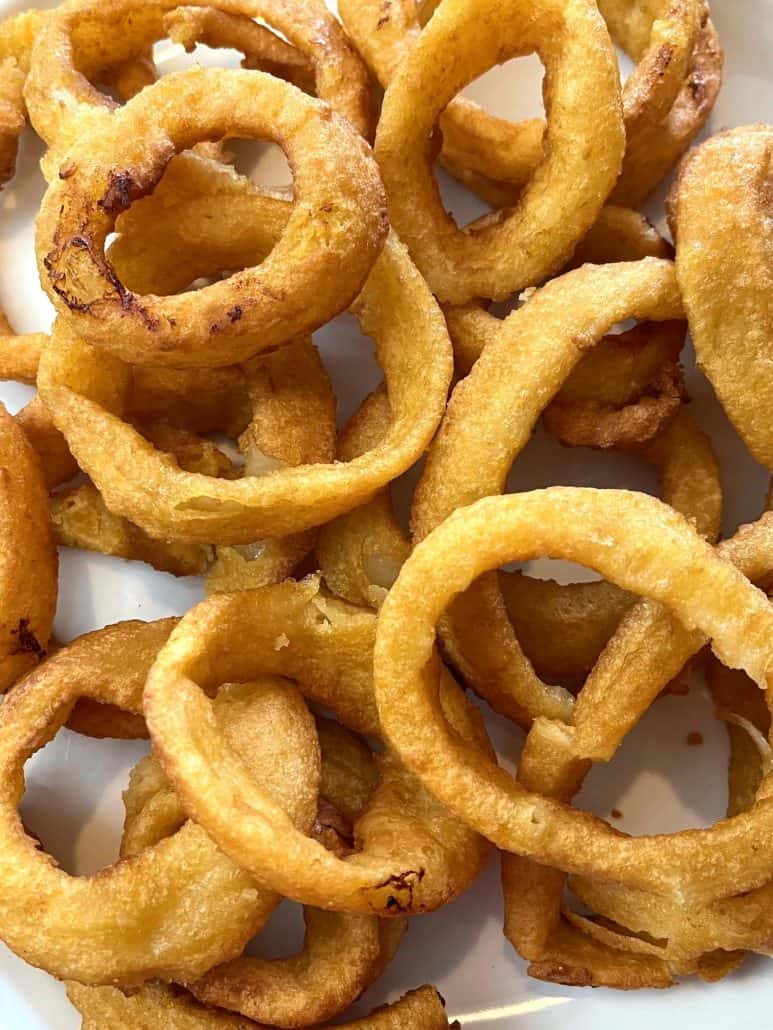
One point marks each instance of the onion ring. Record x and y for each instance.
(436, 857)
(729, 256)
(28, 560)
(257, 308)
(706, 593)
(498, 259)
(199, 919)
(152, 492)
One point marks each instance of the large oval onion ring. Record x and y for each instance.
(724, 264)
(28, 560)
(413, 856)
(231, 320)
(198, 919)
(157, 1005)
(583, 105)
(640, 544)
(151, 490)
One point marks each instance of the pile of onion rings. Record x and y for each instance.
(313, 738)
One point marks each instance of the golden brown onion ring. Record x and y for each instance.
(83, 390)
(720, 213)
(413, 858)
(500, 258)
(231, 320)
(199, 919)
(640, 544)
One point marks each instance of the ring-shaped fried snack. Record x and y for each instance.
(538, 235)
(720, 213)
(182, 924)
(158, 1005)
(82, 388)
(666, 99)
(642, 545)
(338, 200)
(28, 559)
(63, 103)
(537, 346)
(412, 856)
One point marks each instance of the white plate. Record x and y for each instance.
(73, 786)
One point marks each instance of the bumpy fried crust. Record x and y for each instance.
(721, 206)
(63, 103)
(159, 1005)
(201, 907)
(640, 544)
(360, 553)
(412, 857)
(85, 391)
(666, 100)
(256, 308)
(538, 235)
(28, 560)
(48, 443)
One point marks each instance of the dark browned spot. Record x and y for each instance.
(616, 813)
(121, 190)
(235, 313)
(28, 642)
(694, 739)
(67, 170)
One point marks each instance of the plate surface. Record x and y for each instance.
(657, 782)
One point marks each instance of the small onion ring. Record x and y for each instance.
(395, 306)
(497, 259)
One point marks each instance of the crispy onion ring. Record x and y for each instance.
(28, 560)
(641, 545)
(412, 858)
(159, 1005)
(197, 920)
(155, 494)
(542, 342)
(666, 100)
(63, 103)
(724, 264)
(257, 308)
(497, 259)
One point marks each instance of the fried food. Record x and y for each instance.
(720, 210)
(536, 237)
(254, 309)
(197, 920)
(412, 856)
(145, 486)
(28, 560)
